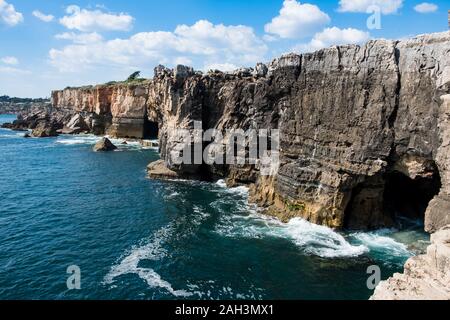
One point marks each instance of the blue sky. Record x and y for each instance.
(49, 45)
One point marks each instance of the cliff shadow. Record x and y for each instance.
(409, 198)
(151, 129)
(386, 200)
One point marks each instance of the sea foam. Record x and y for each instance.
(153, 250)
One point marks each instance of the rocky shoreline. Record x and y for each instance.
(364, 130)
(426, 277)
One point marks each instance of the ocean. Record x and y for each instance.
(61, 204)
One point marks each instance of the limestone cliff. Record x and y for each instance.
(364, 129)
(426, 277)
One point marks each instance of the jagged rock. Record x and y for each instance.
(426, 277)
(75, 130)
(260, 70)
(182, 72)
(161, 71)
(104, 145)
(27, 135)
(159, 170)
(44, 130)
(243, 72)
(17, 125)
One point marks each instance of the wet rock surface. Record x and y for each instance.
(104, 145)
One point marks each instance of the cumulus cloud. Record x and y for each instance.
(9, 15)
(202, 43)
(42, 16)
(80, 38)
(386, 6)
(426, 7)
(10, 60)
(334, 36)
(297, 20)
(95, 20)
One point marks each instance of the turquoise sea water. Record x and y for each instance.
(62, 204)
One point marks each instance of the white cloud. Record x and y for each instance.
(9, 15)
(42, 16)
(386, 6)
(201, 43)
(334, 36)
(95, 20)
(80, 38)
(426, 7)
(10, 60)
(297, 20)
(221, 66)
(13, 71)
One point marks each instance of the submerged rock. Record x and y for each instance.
(104, 145)
(159, 170)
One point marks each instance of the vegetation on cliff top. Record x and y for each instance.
(133, 79)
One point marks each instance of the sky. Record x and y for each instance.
(50, 44)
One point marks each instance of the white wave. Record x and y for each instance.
(240, 190)
(154, 280)
(311, 238)
(221, 183)
(173, 195)
(201, 212)
(77, 139)
(90, 139)
(150, 251)
(321, 240)
(381, 240)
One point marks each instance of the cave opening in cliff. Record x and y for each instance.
(151, 129)
(405, 197)
(391, 199)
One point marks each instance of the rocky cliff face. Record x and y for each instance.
(363, 130)
(426, 277)
(117, 109)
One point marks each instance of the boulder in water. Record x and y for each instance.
(104, 145)
(159, 170)
(44, 130)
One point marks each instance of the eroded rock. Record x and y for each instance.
(104, 145)
(159, 170)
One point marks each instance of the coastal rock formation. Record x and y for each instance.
(44, 130)
(426, 277)
(363, 129)
(364, 136)
(159, 170)
(104, 145)
(118, 109)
